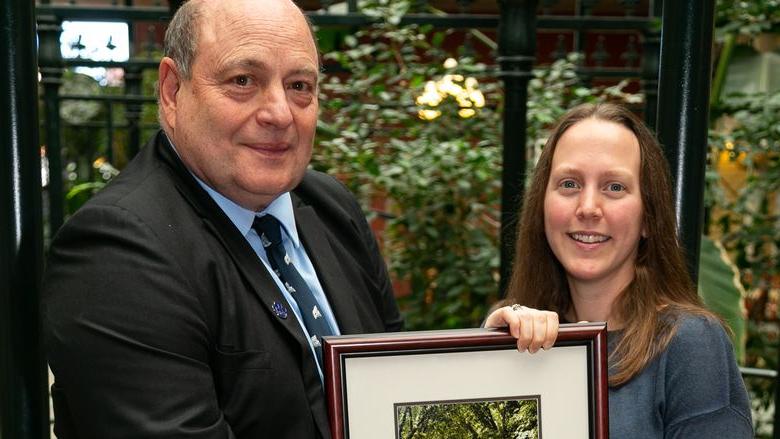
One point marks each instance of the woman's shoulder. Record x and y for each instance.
(699, 345)
(703, 389)
(695, 332)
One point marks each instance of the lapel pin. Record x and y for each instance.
(280, 310)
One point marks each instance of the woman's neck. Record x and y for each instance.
(593, 301)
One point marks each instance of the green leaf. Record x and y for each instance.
(721, 290)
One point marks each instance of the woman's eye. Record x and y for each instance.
(616, 187)
(569, 184)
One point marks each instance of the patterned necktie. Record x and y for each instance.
(269, 230)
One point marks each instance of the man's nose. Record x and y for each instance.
(589, 206)
(274, 108)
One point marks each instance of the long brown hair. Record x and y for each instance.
(661, 287)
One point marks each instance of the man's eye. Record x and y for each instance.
(241, 80)
(301, 86)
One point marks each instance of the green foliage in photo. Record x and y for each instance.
(509, 419)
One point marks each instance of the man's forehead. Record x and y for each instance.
(219, 10)
(217, 16)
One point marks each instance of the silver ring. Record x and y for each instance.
(517, 307)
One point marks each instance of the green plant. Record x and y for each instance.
(428, 161)
(745, 215)
(746, 17)
(748, 215)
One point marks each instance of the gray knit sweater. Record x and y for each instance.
(692, 390)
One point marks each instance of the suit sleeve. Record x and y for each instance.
(125, 335)
(393, 321)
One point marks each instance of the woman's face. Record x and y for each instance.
(592, 204)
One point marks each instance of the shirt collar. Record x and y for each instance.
(281, 208)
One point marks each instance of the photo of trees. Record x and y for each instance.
(516, 418)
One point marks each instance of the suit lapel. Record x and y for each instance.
(334, 283)
(235, 244)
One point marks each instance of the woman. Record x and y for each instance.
(597, 242)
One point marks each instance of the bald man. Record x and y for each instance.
(187, 299)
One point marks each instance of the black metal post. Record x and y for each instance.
(776, 423)
(651, 47)
(174, 5)
(51, 66)
(133, 78)
(582, 10)
(516, 48)
(23, 398)
(649, 80)
(683, 111)
(110, 132)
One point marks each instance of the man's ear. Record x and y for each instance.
(169, 83)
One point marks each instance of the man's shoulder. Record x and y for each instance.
(146, 189)
(142, 176)
(319, 189)
(317, 182)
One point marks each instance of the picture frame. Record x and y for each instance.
(392, 385)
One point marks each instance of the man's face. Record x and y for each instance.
(244, 123)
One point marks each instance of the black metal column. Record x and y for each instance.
(516, 49)
(174, 5)
(776, 423)
(133, 76)
(50, 62)
(23, 400)
(683, 111)
(651, 48)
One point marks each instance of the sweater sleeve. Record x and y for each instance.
(705, 396)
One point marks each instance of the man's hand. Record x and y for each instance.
(532, 328)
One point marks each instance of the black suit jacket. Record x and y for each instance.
(158, 314)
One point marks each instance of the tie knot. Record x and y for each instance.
(269, 230)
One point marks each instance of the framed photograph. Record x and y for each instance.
(467, 383)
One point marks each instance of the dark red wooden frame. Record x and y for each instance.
(336, 349)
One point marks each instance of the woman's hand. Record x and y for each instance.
(532, 328)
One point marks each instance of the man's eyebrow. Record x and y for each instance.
(248, 63)
(254, 64)
(305, 71)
